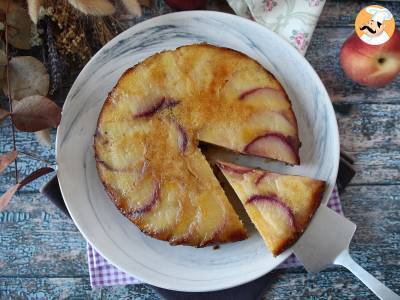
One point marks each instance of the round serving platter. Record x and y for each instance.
(119, 241)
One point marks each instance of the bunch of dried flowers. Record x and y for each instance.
(25, 80)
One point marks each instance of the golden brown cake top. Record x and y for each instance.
(150, 125)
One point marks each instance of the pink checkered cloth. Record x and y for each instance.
(102, 273)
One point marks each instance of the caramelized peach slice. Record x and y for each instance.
(118, 146)
(270, 121)
(225, 166)
(274, 220)
(273, 145)
(145, 197)
(182, 234)
(138, 168)
(210, 218)
(138, 196)
(272, 99)
(182, 138)
(150, 107)
(161, 219)
(265, 202)
(179, 135)
(247, 79)
(265, 176)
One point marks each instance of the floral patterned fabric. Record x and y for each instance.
(294, 20)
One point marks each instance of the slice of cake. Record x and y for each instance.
(280, 206)
(150, 125)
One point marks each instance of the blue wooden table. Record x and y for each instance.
(43, 255)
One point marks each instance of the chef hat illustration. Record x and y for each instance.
(379, 14)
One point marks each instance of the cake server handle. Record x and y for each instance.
(379, 289)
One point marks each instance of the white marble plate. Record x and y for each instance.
(180, 267)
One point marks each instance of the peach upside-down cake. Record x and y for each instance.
(280, 206)
(146, 143)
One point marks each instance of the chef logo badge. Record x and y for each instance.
(375, 25)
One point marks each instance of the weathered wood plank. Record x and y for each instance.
(339, 13)
(334, 283)
(138, 291)
(376, 166)
(369, 127)
(323, 55)
(371, 133)
(47, 288)
(38, 240)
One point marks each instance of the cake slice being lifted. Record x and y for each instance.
(280, 206)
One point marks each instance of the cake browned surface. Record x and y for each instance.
(149, 127)
(280, 206)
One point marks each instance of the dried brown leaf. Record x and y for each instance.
(19, 28)
(7, 196)
(147, 3)
(35, 175)
(133, 7)
(3, 114)
(36, 113)
(28, 76)
(33, 9)
(7, 159)
(93, 7)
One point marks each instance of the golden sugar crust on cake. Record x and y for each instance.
(149, 127)
(280, 206)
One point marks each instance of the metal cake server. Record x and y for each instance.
(326, 241)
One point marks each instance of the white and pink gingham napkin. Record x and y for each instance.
(295, 21)
(102, 273)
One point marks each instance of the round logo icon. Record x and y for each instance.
(375, 25)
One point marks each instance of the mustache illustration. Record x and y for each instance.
(368, 28)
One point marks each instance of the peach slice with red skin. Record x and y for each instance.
(274, 145)
(137, 168)
(233, 168)
(148, 204)
(150, 108)
(137, 198)
(162, 218)
(201, 222)
(265, 202)
(183, 137)
(274, 220)
(180, 134)
(264, 175)
(270, 98)
(117, 154)
(183, 230)
(260, 178)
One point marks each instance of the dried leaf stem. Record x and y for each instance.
(9, 91)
